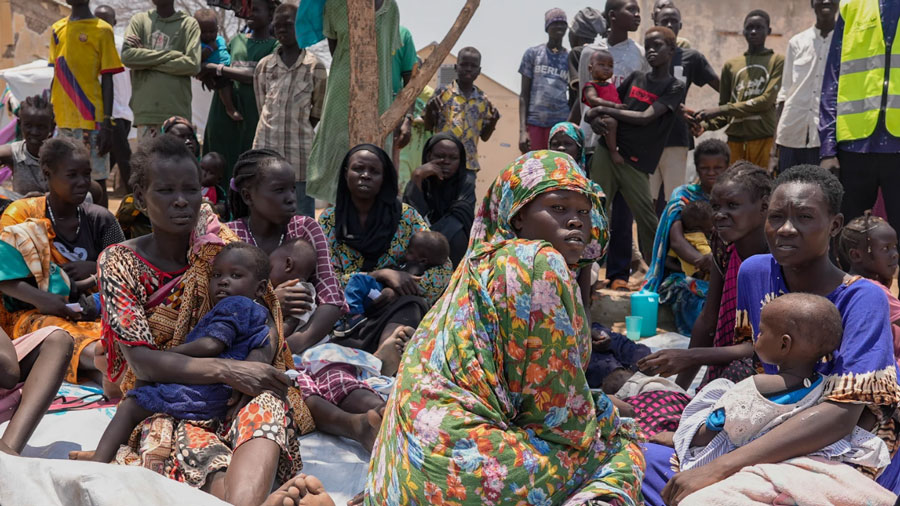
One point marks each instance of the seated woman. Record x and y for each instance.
(568, 138)
(133, 219)
(48, 248)
(154, 290)
(368, 230)
(740, 200)
(264, 207)
(686, 296)
(861, 379)
(31, 370)
(442, 190)
(491, 405)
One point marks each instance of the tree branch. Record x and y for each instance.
(405, 99)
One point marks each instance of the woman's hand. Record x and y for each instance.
(55, 305)
(254, 378)
(666, 362)
(295, 298)
(687, 482)
(426, 171)
(80, 270)
(666, 438)
(402, 282)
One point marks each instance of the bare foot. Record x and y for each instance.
(81, 455)
(6, 449)
(366, 426)
(391, 350)
(301, 490)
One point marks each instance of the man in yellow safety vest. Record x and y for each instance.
(859, 122)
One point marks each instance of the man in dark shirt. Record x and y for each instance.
(652, 100)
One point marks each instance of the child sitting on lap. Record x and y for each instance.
(426, 249)
(295, 260)
(236, 325)
(697, 223)
(796, 331)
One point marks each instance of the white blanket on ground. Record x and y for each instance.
(341, 464)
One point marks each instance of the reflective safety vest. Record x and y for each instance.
(870, 75)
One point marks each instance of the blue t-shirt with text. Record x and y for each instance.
(549, 74)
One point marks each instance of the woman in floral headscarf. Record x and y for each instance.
(491, 403)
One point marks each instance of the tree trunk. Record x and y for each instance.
(405, 99)
(364, 122)
(363, 117)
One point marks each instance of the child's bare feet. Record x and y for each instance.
(391, 350)
(4, 448)
(301, 490)
(366, 426)
(81, 455)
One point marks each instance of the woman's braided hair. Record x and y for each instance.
(750, 177)
(246, 170)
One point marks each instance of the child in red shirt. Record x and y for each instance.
(601, 92)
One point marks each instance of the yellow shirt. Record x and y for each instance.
(700, 243)
(80, 51)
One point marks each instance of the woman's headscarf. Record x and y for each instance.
(443, 197)
(577, 135)
(180, 120)
(375, 238)
(529, 176)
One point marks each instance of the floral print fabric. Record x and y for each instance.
(347, 261)
(491, 404)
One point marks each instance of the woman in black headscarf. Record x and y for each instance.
(368, 231)
(442, 189)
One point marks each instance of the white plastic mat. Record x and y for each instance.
(51, 479)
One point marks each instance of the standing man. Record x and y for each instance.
(544, 101)
(859, 124)
(119, 150)
(84, 58)
(690, 67)
(747, 95)
(622, 17)
(658, 6)
(651, 101)
(797, 135)
(162, 48)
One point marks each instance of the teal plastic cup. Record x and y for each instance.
(633, 327)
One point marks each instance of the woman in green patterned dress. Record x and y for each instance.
(491, 404)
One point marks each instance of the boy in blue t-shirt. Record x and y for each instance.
(213, 50)
(544, 100)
